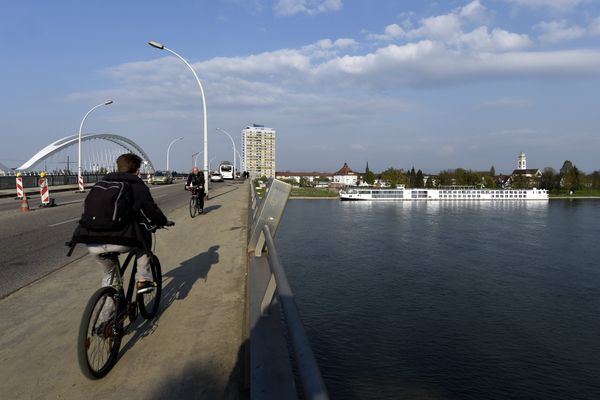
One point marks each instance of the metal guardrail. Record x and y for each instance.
(269, 296)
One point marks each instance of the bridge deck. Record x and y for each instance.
(191, 350)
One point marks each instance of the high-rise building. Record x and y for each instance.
(258, 150)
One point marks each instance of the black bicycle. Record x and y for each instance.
(195, 202)
(102, 323)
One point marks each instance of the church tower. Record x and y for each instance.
(522, 162)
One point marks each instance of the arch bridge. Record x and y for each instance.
(94, 158)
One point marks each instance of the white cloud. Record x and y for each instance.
(594, 28)
(554, 5)
(390, 33)
(310, 7)
(498, 40)
(559, 31)
(448, 29)
(474, 11)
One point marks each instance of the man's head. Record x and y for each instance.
(129, 163)
(195, 170)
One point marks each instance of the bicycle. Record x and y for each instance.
(102, 324)
(195, 205)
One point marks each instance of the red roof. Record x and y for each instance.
(345, 170)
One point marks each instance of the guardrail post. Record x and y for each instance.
(269, 212)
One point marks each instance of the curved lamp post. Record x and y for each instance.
(194, 159)
(234, 150)
(169, 149)
(161, 46)
(79, 172)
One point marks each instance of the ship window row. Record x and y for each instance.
(460, 196)
(483, 191)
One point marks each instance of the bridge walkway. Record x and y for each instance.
(190, 351)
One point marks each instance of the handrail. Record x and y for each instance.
(281, 362)
(308, 369)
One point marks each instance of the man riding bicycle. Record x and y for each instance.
(134, 235)
(195, 183)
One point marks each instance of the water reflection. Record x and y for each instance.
(449, 299)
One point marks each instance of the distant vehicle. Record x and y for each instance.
(161, 178)
(226, 170)
(216, 176)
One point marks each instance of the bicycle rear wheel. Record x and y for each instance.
(100, 334)
(148, 302)
(193, 209)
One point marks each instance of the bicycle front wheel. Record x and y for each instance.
(148, 302)
(193, 209)
(100, 334)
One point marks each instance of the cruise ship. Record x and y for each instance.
(450, 193)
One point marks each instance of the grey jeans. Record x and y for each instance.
(143, 263)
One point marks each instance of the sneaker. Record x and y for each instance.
(145, 287)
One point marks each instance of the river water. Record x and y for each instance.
(449, 300)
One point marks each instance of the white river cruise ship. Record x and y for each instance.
(451, 193)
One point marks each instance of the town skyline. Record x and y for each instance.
(439, 85)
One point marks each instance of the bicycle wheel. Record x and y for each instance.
(100, 334)
(149, 302)
(193, 209)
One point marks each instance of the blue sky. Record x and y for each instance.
(433, 85)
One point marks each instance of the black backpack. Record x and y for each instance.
(108, 206)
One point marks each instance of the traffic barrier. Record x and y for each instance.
(80, 181)
(24, 203)
(19, 186)
(45, 191)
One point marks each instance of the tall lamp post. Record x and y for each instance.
(79, 172)
(194, 159)
(233, 144)
(169, 149)
(161, 46)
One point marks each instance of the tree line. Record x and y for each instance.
(568, 178)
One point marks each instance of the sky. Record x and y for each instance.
(433, 85)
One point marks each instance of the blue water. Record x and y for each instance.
(449, 301)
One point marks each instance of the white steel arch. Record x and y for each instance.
(72, 140)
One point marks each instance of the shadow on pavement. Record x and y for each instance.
(224, 193)
(211, 208)
(177, 284)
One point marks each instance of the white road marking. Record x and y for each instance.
(62, 203)
(64, 222)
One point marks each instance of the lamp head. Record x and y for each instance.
(108, 102)
(157, 45)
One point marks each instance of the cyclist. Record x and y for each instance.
(135, 236)
(195, 183)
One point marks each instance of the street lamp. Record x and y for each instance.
(233, 144)
(169, 149)
(79, 172)
(194, 159)
(161, 46)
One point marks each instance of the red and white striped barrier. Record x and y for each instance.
(80, 181)
(19, 187)
(44, 192)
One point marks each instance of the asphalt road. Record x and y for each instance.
(33, 243)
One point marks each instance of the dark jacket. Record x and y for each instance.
(196, 180)
(134, 233)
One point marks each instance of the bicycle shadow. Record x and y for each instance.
(177, 284)
(211, 208)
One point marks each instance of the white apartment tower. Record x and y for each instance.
(258, 150)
